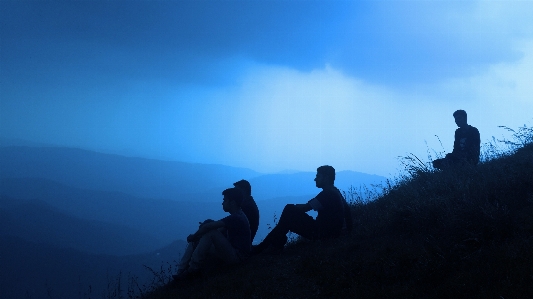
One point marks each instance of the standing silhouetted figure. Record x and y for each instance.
(332, 213)
(466, 146)
(249, 207)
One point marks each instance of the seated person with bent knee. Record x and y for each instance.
(466, 146)
(227, 239)
(332, 213)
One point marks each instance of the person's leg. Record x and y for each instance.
(186, 257)
(291, 219)
(294, 221)
(222, 247)
(450, 161)
(253, 229)
(440, 163)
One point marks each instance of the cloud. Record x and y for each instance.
(285, 119)
(281, 118)
(395, 43)
(503, 95)
(266, 85)
(405, 43)
(180, 40)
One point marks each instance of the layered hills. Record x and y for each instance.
(77, 214)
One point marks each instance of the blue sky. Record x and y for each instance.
(267, 85)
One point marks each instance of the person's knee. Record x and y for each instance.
(288, 212)
(440, 163)
(289, 207)
(279, 241)
(212, 234)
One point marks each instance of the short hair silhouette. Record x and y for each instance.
(327, 171)
(234, 194)
(245, 186)
(459, 113)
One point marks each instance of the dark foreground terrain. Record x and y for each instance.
(463, 233)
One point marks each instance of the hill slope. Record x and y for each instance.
(463, 233)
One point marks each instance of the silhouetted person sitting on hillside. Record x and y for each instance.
(466, 146)
(227, 239)
(249, 207)
(333, 212)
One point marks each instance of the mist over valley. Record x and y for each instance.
(106, 215)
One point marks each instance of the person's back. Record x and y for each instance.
(330, 218)
(467, 144)
(249, 207)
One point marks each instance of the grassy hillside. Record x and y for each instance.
(463, 233)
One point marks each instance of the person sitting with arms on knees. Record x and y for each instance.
(227, 239)
(332, 213)
(466, 146)
(249, 207)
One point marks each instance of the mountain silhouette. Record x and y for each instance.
(73, 218)
(39, 222)
(163, 220)
(139, 177)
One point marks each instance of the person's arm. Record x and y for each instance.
(456, 145)
(347, 215)
(461, 153)
(315, 204)
(475, 146)
(204, 229)
(304, 207)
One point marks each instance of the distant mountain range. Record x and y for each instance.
(156, 221)
(302, 183)
(93, 186)
(40, 222)
(139, 177)
(68, 214)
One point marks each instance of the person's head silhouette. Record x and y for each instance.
(325, 176)
(460, 118)
(245, 186)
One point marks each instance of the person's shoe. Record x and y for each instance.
(187, 274)
(180, 272)
(270, 249)
(273, 250)
(256, 249)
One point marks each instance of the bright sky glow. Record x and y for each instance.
(268, 85)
